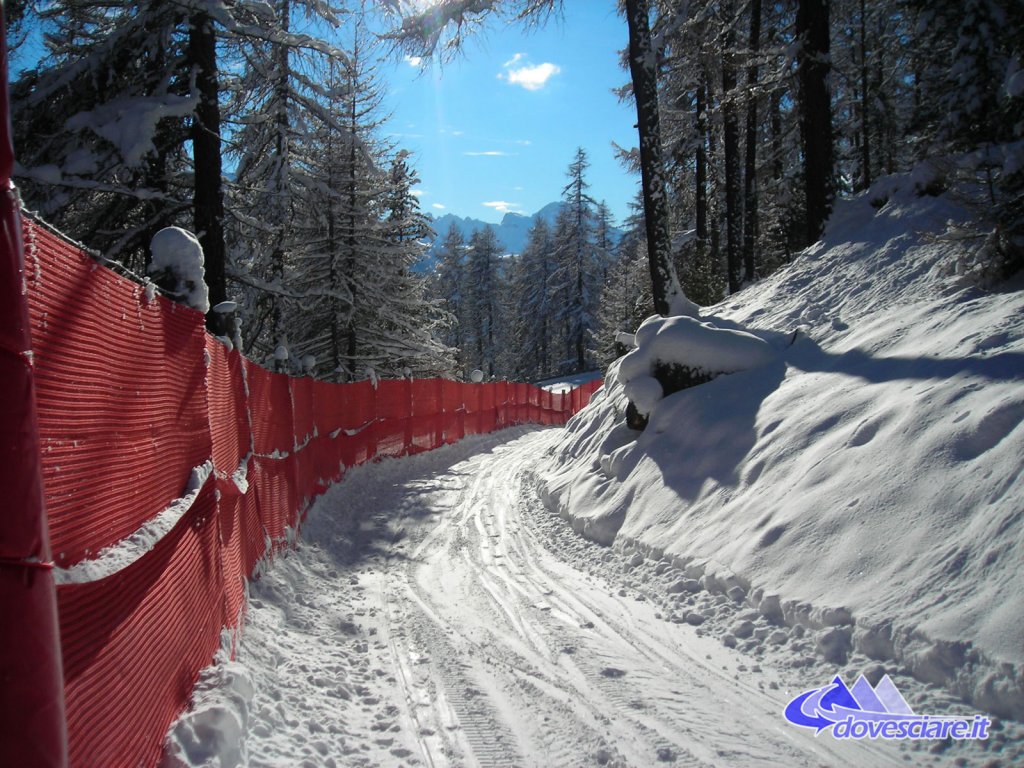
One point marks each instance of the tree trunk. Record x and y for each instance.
(750, 218)
(731, 133)
(701, 172)
(865, 109)
(351, 182)
(812, 30)
(775, 119)
(714, 222)
(208, 200)
(281, 150)
(334, 359)
(643, 72)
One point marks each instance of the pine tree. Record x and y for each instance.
(449, 287)
(407, 323)
(102, 122)
(750, 197)
(531, 315)
(625, 296)
(575, 280)
(642, 58)
(604, 242)
(731, 145)
(279, 108)
(208, 189)
(483, 311)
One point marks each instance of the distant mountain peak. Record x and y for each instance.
(512, 231)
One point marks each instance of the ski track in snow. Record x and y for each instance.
(437, 614)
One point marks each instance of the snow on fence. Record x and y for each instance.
(133, 396)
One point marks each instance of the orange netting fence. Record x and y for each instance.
(132, 395)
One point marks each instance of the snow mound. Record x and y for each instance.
(178, 252)
(687, 342)
(212, 732)
(864, 484)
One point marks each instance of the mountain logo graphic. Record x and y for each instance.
(875, 712)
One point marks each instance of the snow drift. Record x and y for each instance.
(701, 348)
(864, 479)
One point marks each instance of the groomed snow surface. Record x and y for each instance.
(850, 505)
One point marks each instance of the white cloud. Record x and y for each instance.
(531, 77)
(516, 58)
(438, 206)
(501, 206)
(524, 142)
(413, 61)
(490, 153)
(417, 192)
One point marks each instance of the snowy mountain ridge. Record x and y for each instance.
(864, 488)
(511, 231)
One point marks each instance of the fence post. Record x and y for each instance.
(32, 725)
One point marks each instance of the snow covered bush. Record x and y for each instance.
(178, 267)
(675, 353)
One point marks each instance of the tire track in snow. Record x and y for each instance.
(480, 637)
(488, 739)
(486, 564)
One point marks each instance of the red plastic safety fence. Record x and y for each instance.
(121, 386)
(228, 412)
(242, 544)
(302, 409)
(32, 723)
(134, 643)
(454, 411)
(427, 417)
(133, 395)
(270, 408)
(394, 413)
(487, 417)
(358, 433)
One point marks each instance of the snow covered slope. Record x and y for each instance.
(867, 484)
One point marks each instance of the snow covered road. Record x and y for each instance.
(437, 614)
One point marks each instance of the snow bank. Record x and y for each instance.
(212, 731)
(178, 252)
(866, 483)
(698, 346)
(562, 384)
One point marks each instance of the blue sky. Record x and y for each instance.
(495, 130)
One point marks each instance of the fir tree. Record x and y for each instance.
(576, 277)
(449, 286)
(102, 121)
(482, 309)
(531, 316)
